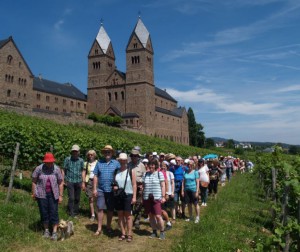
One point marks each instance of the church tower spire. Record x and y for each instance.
(101, 59)
(139, 56)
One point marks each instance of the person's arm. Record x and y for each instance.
(61, 192)
(83, 175)
(134, 188)
(182, 188)
(95, 184)
(166, 186)
(33, 187)
(197, 186)
(163, 191)
(173, 188)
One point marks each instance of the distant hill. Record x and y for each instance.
(263, 144)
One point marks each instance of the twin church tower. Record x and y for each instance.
(132, 95)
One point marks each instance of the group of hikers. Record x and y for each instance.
(156, 186)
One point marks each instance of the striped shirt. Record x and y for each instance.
(73, 169)
(152, 184)
(42, 173)
(105, 173)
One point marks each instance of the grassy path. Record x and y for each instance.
(230, 222)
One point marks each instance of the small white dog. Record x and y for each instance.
(65, 229)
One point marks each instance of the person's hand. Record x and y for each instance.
(172, 196)
(33, 196)
(95, 193)
(167, 196)
(133, 201)
(60, 199)
(83, 187)
(163, 200)
(182, 194)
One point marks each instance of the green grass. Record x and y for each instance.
(232, 221)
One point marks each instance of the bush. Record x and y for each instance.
(109, 120)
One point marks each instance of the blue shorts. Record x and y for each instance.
(105, 200)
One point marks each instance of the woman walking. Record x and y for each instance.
(204, 181)
(125, 179)
(47, 189)
(154, 195)
(190, 191)
(88, 178)
(214, 174)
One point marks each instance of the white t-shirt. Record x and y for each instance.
(120, 178)
(170, 177)
(203, 174)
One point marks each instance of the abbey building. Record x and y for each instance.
(131, 95)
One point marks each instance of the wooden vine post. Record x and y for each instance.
(274, 198)
(285, 215)
(12, 174)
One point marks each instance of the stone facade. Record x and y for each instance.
(131, 95)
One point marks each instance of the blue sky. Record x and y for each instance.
(236, 63)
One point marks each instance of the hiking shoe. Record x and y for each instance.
(197, 220)
(54, 236)
(153, 235)
(162, 236)
(92, 219)
(46, 234)
(168, 227)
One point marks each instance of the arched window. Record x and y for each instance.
(9, 59)
(116, 96)
(8, 92)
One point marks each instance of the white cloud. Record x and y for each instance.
(223, 103)
(288, 89)
(58, 24)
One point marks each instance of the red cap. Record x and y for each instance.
(48, 158)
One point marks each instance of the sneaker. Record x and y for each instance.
(197, 220)
(168, 227)
(205, 204)
(92, 218)
(187, 220)
(153, 235)
(54, 236)
(162, 236)
(202, 204)
(46, 234)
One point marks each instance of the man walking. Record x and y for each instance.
(103, 177)
(73, 177)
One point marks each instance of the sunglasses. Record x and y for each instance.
(134, 155)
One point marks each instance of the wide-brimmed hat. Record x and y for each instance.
(123, 156)
(134, 152)
(173, 162)
(75, 147)
(108, 148)
(162, 154)
(48, 158)
(145, 160)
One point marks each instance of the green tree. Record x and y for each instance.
(196, 133)
(230, 144)
(210, 143)
(294, 150)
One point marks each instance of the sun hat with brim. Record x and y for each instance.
(48, 158)
(186, 161)
(108, 148)
(173, 162)
(162, 154)
(75, 147)
(145, 160)
(123, 156)
(134, 152)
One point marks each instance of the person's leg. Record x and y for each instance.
(77, 192)
(92, 209)
(42, 203)
(71, 198)
(190, 208)
(128, 218)
(121, 222)
(100, 211)
(109, 200)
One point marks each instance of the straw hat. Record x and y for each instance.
(108, 148)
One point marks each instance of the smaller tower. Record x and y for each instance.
(101, 64)
(139, 56)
